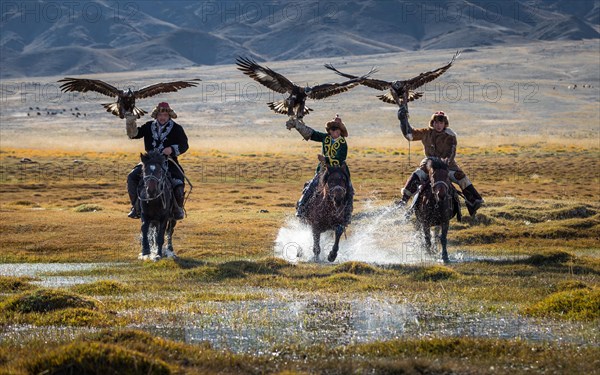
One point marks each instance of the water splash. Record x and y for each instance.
(379, 235)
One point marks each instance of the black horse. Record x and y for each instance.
(155, 195)
(326, 207)
(436, 204)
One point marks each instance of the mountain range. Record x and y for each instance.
(41, 38)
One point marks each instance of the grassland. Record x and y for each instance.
(524, 299)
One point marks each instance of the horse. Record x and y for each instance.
(436, 204)
(155, 195)
(326, 207)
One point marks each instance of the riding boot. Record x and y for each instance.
(411, 187)
(349, 204)
(132, 189)
(308, 191)
(178, 213)
(472, 199)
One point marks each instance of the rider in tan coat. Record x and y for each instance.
(438, 141)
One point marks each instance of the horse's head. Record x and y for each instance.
(335, 184)
(438, 178)
(154, 173)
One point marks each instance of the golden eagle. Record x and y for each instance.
(297, 95)
(125, 98)
(400, 91)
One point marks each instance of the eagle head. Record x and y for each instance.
(397, 85)
(128, 93)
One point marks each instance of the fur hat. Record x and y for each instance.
(337, 123)
(439, 114)
(163, 107)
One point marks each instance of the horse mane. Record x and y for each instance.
(437, 163)
(325, 172)
(153, 156)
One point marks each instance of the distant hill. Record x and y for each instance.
(40, 38)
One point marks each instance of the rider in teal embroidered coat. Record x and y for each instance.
(335, 151)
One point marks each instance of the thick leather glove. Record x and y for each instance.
(130, 124)
(402, 112)
(290, 124)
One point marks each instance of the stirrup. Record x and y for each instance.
(133, 214)
(178, 214)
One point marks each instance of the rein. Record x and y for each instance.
(161, 187)
(184, 176)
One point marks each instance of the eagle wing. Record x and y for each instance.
(423, 78)
(84, 85)
(157, 88)
(281, 107)
(264, 75)
(369, 82)
(388, 98)
(328, 89)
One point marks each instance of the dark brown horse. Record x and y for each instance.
(326, 207)
(436, 204)
(155, 195)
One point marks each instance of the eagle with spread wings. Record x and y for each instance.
(125, 98)
(401, 92)
(294, 104)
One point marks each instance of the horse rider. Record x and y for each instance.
(438, 141)
(335, 150)
(166, 136)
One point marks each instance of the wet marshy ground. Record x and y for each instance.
(264, 319)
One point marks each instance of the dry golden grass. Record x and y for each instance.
(54, 209)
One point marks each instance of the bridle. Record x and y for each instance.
(162, 182)
(433, 192)
(328, 193)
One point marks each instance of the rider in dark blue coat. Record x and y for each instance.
(165, 135)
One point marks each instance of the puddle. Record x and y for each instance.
(259, 327)
(43, 272)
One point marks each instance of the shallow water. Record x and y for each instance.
(378, 235)
(259, 327)
(43, 272)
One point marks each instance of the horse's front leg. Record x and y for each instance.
(444, 241)
(168, 251)
(427, 236)
(160, 237)
(316, 244)
(145, 242)
(336, 245)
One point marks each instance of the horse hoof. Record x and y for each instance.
(332, 256)
(155, 257)
(170, 254)
(142, 256)
(445, 260)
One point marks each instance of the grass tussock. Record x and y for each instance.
(45, 300)
(87, 208)
(11, 284)
(73, 317)
(213, 274)
(579, 304)
(103, 288)
(96, 358)
(550, 258)
(435, 273)
(356, 268)
(565, 285)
